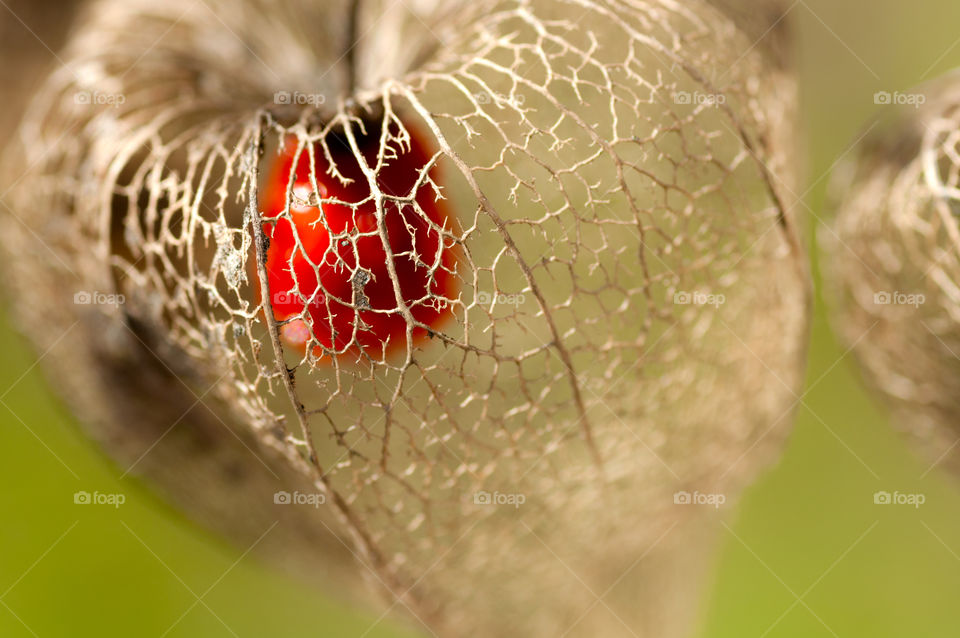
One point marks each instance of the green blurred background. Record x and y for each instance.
(808, 554)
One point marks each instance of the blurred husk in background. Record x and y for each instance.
(893, 259)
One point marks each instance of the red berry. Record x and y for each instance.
(341, 264)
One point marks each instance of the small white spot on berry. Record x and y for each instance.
(295, 333)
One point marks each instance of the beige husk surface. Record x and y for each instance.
(631, 322)
(894, 261)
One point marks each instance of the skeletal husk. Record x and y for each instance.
(893, 262)
(630, 327)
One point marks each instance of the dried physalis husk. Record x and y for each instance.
(894, 261)
(623, 294)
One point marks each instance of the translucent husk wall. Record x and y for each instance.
(630, 319)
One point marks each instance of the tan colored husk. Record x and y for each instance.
(618, 170)
(893, 263)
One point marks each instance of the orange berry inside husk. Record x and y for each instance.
(328, 262)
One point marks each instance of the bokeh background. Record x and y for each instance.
(807, 553)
